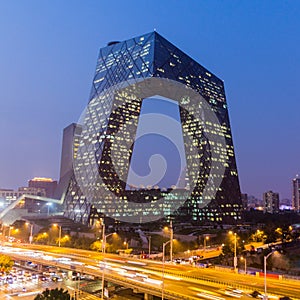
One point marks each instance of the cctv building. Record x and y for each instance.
(154, 140)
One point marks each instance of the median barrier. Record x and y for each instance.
(270, 275)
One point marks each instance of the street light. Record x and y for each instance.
(126, 244)
(59, 233)
(265, 274)
(235, 257)
(163, 268)
(31, 230)
(149, 244)
(171, 239)
(206, 238)
(244, 258)
(104, 237)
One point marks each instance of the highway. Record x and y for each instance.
(180, 281)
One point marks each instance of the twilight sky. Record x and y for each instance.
(48, 53)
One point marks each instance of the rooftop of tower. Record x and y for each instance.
(158, 39)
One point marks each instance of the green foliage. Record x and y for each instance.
(41, 238)
(229, 244)
(81, 242)
(116, 243)
(6, 263)
(55, 294)
(258, 236)
(227, 250)
(96, 246)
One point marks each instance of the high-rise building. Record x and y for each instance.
(271, 202)
(296, 194)
(154, 140)
(244, 198)
(48, 184)
(76, 206)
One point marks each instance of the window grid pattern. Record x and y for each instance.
(136, 59)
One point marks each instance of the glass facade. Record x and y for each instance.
(76, 206)
(136, 80)
(296, 194)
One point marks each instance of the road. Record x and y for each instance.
(182, 280)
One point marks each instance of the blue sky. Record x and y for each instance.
(48, 55)
(158, 156)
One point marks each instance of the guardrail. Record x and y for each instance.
(142, 287)
(135, 285)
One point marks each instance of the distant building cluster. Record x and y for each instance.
(271, 202)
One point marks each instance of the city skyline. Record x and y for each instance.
(48, 58)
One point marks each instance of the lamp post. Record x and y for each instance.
(265, 274)
(103, 251)
(171, 240)
(126, 244)
(31, 231)
(104, 237)
(235, 257)
(59, 233)
(149, 245)
(206, 238)
(244, 258)
(163, 269)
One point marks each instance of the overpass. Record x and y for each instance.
(180, 282)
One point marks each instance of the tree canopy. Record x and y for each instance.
(55, 294)
(6, 263)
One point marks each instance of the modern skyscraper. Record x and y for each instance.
(271, 202)
(296, 194)
(155, 139)
(245, 201)
(76, 206)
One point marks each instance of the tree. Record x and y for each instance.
(6, 263)
(258, 236)
(42, 238)
(229, 245)
(97, 246)
(55, 294)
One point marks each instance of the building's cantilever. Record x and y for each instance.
(138, 80)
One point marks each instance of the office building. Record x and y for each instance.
(76, 206)
(155, 139)
(244, 198)
(7, 196)
(271, 202)
(296, 194)
(48, 184)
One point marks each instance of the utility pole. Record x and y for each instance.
(103, 238)
(149, 245)
(171, 240)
